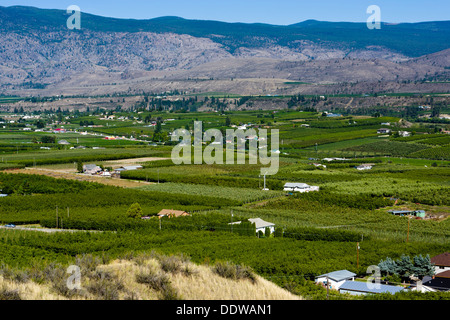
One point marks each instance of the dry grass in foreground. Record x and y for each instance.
(145, 277)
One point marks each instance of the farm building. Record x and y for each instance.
(439, 282)
(367, 166)
(63, 142)
(118, 171)
(260, 224)
(172, 213)
(416, 213)
(441, 262)
(360, 288)
(91, 169)
(404, 133)
(335, 278)
(384, 131)
(130, 168)
(299, 187)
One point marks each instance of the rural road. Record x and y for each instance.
(47, 230)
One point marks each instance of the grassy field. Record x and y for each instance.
(315, 232)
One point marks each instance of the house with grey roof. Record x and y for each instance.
(361, 288)
(63, 142)
(335, 279)
(91, 169)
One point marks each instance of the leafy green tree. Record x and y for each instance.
(79, 166)
(405, 267)
(158, 127)
(388, 266)
(135, 211)
(40, 124)
(267, 232)
(48, 139)
(278, 233)
(422, 266)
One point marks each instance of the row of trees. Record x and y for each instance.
(406, 268)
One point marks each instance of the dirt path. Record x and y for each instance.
(124, 183)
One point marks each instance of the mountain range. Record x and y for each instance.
(40, 55)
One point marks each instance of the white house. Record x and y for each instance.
(383, 131)
(300, 187)
(364, 167)
(106, 174)
(404, 133)
(260, 224)
(335, 278)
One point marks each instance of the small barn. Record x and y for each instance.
(172, 213)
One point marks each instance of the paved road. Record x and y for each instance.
(48, 230)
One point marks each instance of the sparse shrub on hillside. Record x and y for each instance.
(173, 264)
(8, 294)
(234, 272)
(14, 275)
(160, 282)
(106, 287)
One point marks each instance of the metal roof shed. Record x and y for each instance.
(338, 275)
(358, 288)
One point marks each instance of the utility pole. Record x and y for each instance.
(231, 224)
(357, 255)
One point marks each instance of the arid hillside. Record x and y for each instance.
(40, 56)
(144, 277)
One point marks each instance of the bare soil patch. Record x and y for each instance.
(124, 183)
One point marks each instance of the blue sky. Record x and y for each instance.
(280, 12)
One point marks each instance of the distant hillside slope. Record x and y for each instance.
(409, 39)
(39, 54)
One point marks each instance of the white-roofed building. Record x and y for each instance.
(300, 187)
(336, 278)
